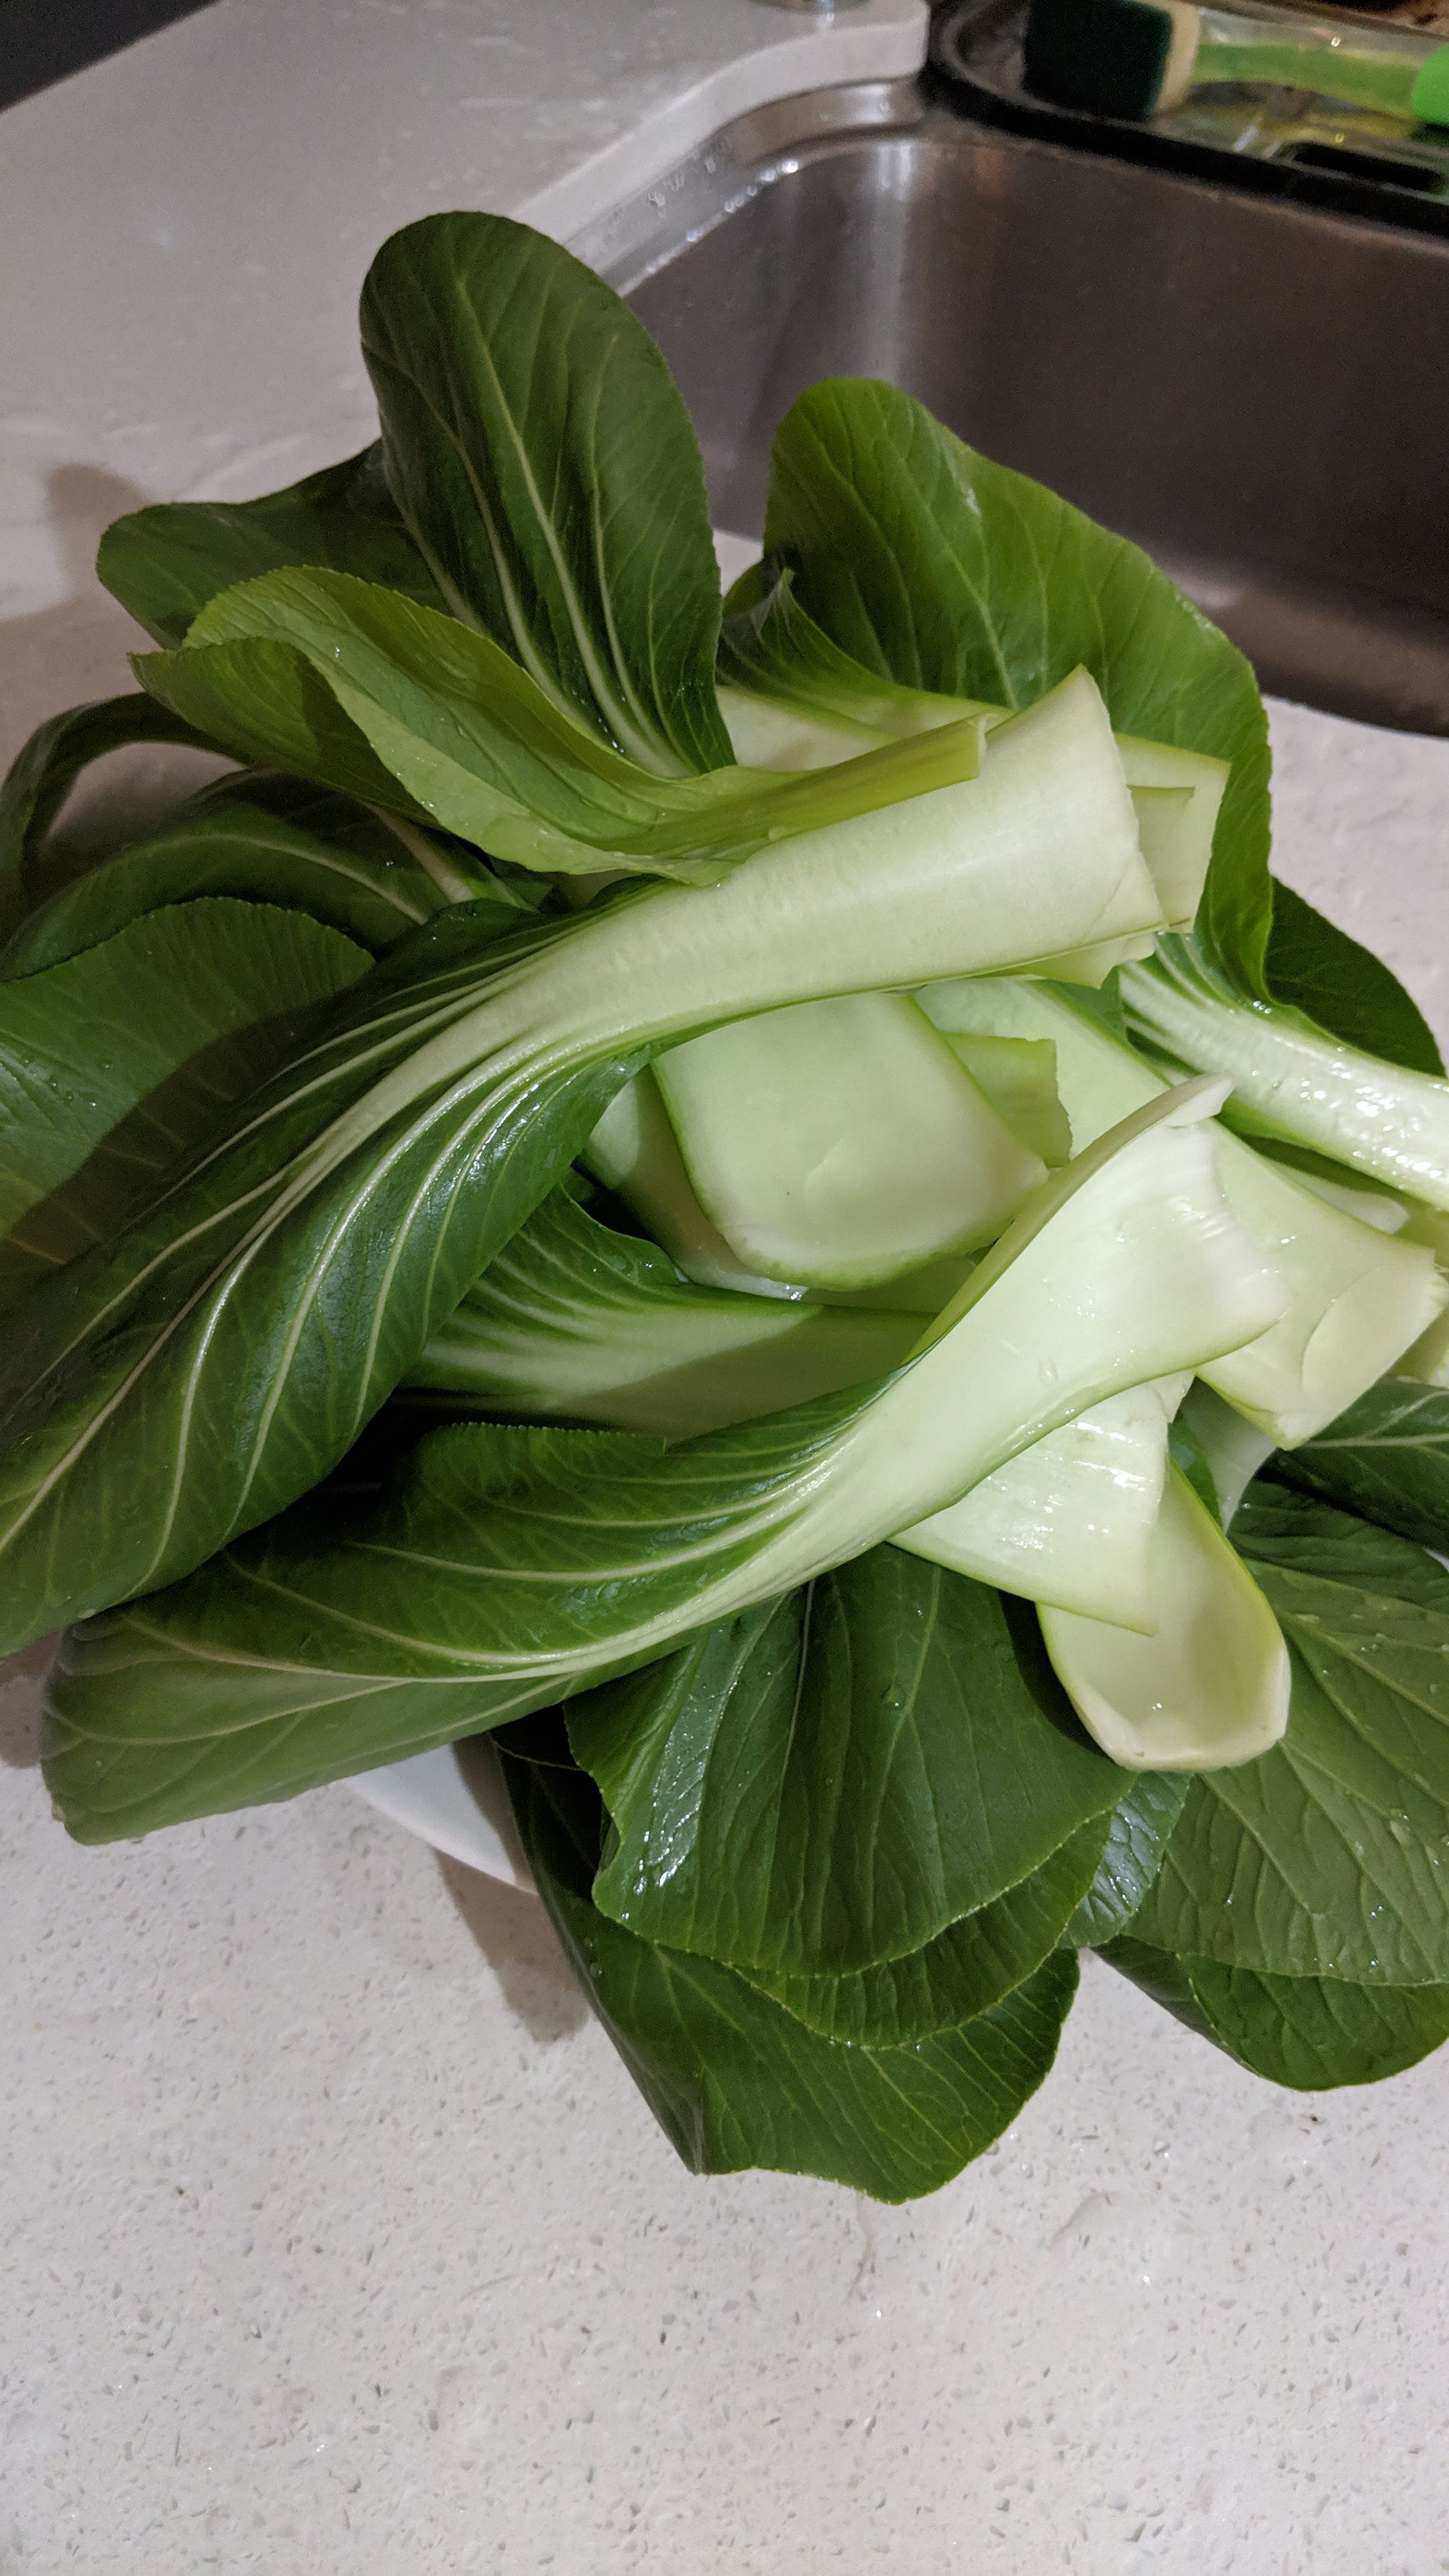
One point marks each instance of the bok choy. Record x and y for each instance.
(621, 1184)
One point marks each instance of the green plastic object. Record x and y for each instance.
(1429, 98)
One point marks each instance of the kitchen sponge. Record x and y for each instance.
(1136, 58)
(1111, 57)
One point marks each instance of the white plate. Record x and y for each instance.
(455, 1800)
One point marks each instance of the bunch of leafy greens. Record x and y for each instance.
(752, 1501)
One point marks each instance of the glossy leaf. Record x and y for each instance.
(1311, 2034)
(1292, 1081)
(1314, 2033)
(574, 1322)
(966, 1971)
(265, 840)
(312, 1253)
(734, 2080)
(772, 647)
(218, 1357)
(365, 691)
(164, 563)
(1343, 987)
(1137, 1837)
(543, 458)
(1387, 1457)
(46, 768)
(1302, 1534)
(942, 571)
(510, 1567)
(1329, 1857)
(86, 1050)
(831, 1781)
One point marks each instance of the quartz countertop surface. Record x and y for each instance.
(334, 2236)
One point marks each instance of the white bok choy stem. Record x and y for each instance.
(634, 1152)
(1210, 1687)
(841, 1143)
(510, 1568)
(1293, 1080)
(1068, 1521)
(1176, 793)
(1359, 1297)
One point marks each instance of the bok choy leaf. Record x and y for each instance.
(1292, 1080)
(365, 691)
(309, 1253)
(164, 563)
(555, 1558)
(544, 461)
(1331, 1846)
(831, 1782)
(90, 1114)
(736, 2080)
(1386, 1457)
(941, 571)
(573, 1322)
(46, 768)
(263, 840)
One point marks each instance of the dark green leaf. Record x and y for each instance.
(1313, 2033)
(933, 566)
(365, 691)
(497, 1570)
(166, 562)
(514, 1567)
(1388, 1457)
(1309, 2033)
(735, 2081)
(1304, 1535)
(1344, 988)
(265, 840)
(1191, 1460)
(1137, 1837)
(1162, 1976)
(967, 1970)
(88, 1042)
(217, 1359)
(829, 1783)
(1328, 1857)
(46, 768)
(544, 460)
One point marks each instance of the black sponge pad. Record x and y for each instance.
(1107, 57)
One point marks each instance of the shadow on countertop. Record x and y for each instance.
(514, 1933)
(20, 1695)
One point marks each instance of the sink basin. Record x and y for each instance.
(1255, 391)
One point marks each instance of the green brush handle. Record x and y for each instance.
(1366, 70)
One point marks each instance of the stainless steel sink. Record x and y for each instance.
(1257, 392)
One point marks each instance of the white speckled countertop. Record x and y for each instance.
(333, 2237)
